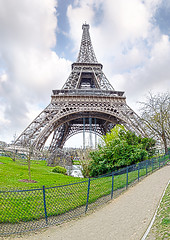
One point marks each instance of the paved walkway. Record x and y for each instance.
(125, 218)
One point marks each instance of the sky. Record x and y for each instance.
(40, 39)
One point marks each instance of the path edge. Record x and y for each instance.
(153, 219)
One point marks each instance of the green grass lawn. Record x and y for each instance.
(161, 226)
(11, 172)
(76, 162)
(28, 205)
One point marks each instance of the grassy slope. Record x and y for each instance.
(28, 205)
(161, 226)
(11, 172)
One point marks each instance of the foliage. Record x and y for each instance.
(121, 149)
(131, 138)
(76, 162)
(155, 114)
(113, 134)
(59, 169)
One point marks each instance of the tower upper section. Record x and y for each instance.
(86, 53)
(86, 72)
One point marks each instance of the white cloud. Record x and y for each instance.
(128, 43)
(29, 69)
(153, 75)
(28, 23)
(77, 16)
(121, 22)
(129, 19)
(156, 72)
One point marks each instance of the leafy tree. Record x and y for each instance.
(113, 134)
(156, 115)
(131, 138)
(122, 148)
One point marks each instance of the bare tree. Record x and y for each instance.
(14, 150)
(84, 159)
(8, 150)
(2, 147)
(156, 115)
(28, 151)
(29, 155)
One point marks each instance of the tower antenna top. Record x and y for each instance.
(86, 53)
(85, 25)
(86, 71)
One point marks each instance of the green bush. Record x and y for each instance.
(59, 169)
(122, 148)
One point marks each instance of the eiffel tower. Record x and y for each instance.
(86, 103)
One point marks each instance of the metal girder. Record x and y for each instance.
(62, 134)
(98, 78)
(38, 124)
(86, 53)
(87, 93)
(87, 64)
(114, 110)
(110, 109)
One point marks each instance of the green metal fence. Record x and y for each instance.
(23, 210)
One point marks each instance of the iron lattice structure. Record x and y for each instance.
(87, 102)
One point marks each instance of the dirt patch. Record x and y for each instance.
(28, 181)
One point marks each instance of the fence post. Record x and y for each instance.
(146, 167)
(138, 170)
(112, 185)
(127, 177)
(152, 164)
(164, 160)
(88, 191)
(45, 209)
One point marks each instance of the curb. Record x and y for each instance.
(153, 219)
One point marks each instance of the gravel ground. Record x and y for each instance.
(124, 218)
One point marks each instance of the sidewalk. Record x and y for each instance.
(124, 218)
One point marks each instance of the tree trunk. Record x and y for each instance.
(29, 167)
(165, 143)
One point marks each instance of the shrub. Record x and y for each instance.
(59, 169)
(122, 148)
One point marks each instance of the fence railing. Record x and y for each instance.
(25, 210)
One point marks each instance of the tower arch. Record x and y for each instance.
(87, 96)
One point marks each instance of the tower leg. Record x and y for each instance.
(95, 134)
(84, 145)
(90, 123)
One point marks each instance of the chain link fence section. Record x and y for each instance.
(65, 202)
(24, 210)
